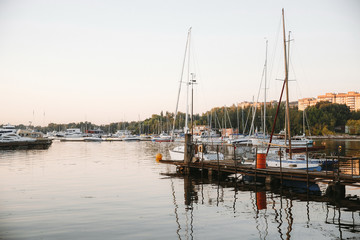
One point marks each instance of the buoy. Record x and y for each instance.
(158, 157)
(261, 160)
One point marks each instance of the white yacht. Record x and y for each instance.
(13, 137)
(178, 154)
(8, 129)
(73, 134)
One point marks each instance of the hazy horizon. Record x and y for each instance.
(111, 61)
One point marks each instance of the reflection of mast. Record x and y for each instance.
(289, 218)
(278, 216)
(175, 210)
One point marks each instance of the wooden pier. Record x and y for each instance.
(336, 178)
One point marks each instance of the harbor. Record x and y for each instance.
(89, 190)
(180, 120)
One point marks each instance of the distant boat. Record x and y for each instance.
(73, 134)
(163, 137)
(8, 129)
(178, 154)
(13, 137)
(131, 138)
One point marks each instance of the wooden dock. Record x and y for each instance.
(344, 170)
(228, 167)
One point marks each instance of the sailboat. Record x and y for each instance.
(178, 152)
(280, 158)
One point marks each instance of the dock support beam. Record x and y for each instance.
(187, 153)
(336, 190)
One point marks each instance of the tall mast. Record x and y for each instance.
(265, 89)
(181, 77)
(192, 82)
(287, 87)
(187, 85)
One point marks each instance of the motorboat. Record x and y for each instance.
(13, 137)
(73, 134)
(8, 129)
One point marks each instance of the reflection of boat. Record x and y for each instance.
(178, 154)
(131, 138)
(93, 139)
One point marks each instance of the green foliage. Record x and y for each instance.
(323, 119)
(325, 116)
(353, 126)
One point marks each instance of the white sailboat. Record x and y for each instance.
(178, 152)
(288, 160)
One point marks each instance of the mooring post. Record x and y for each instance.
(307, 167)
(187, 152)
(217, 155)
(235, 162)
(338, 173)
(281, 176)
(256, 150)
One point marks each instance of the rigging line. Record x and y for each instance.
(276, 43)
(181, 78)
(257, 100)
(227, 113)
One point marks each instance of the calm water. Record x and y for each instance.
(116, 190)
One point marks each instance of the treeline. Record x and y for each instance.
(322, 119)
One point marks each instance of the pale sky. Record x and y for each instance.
(107, 61)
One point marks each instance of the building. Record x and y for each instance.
(350, 99)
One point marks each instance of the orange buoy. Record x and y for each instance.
(261, 200)
(158, 157)
(261, 160)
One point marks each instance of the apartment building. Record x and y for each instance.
(351, 99)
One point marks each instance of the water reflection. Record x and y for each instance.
(281, 213)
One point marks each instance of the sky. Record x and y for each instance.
(107, 61)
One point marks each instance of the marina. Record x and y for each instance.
(179, 120)
(112, 190)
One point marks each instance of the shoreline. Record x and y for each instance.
(343, 136)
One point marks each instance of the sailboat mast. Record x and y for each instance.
(287, 87)
(180, 83)
(187, 85)
(265, 89)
